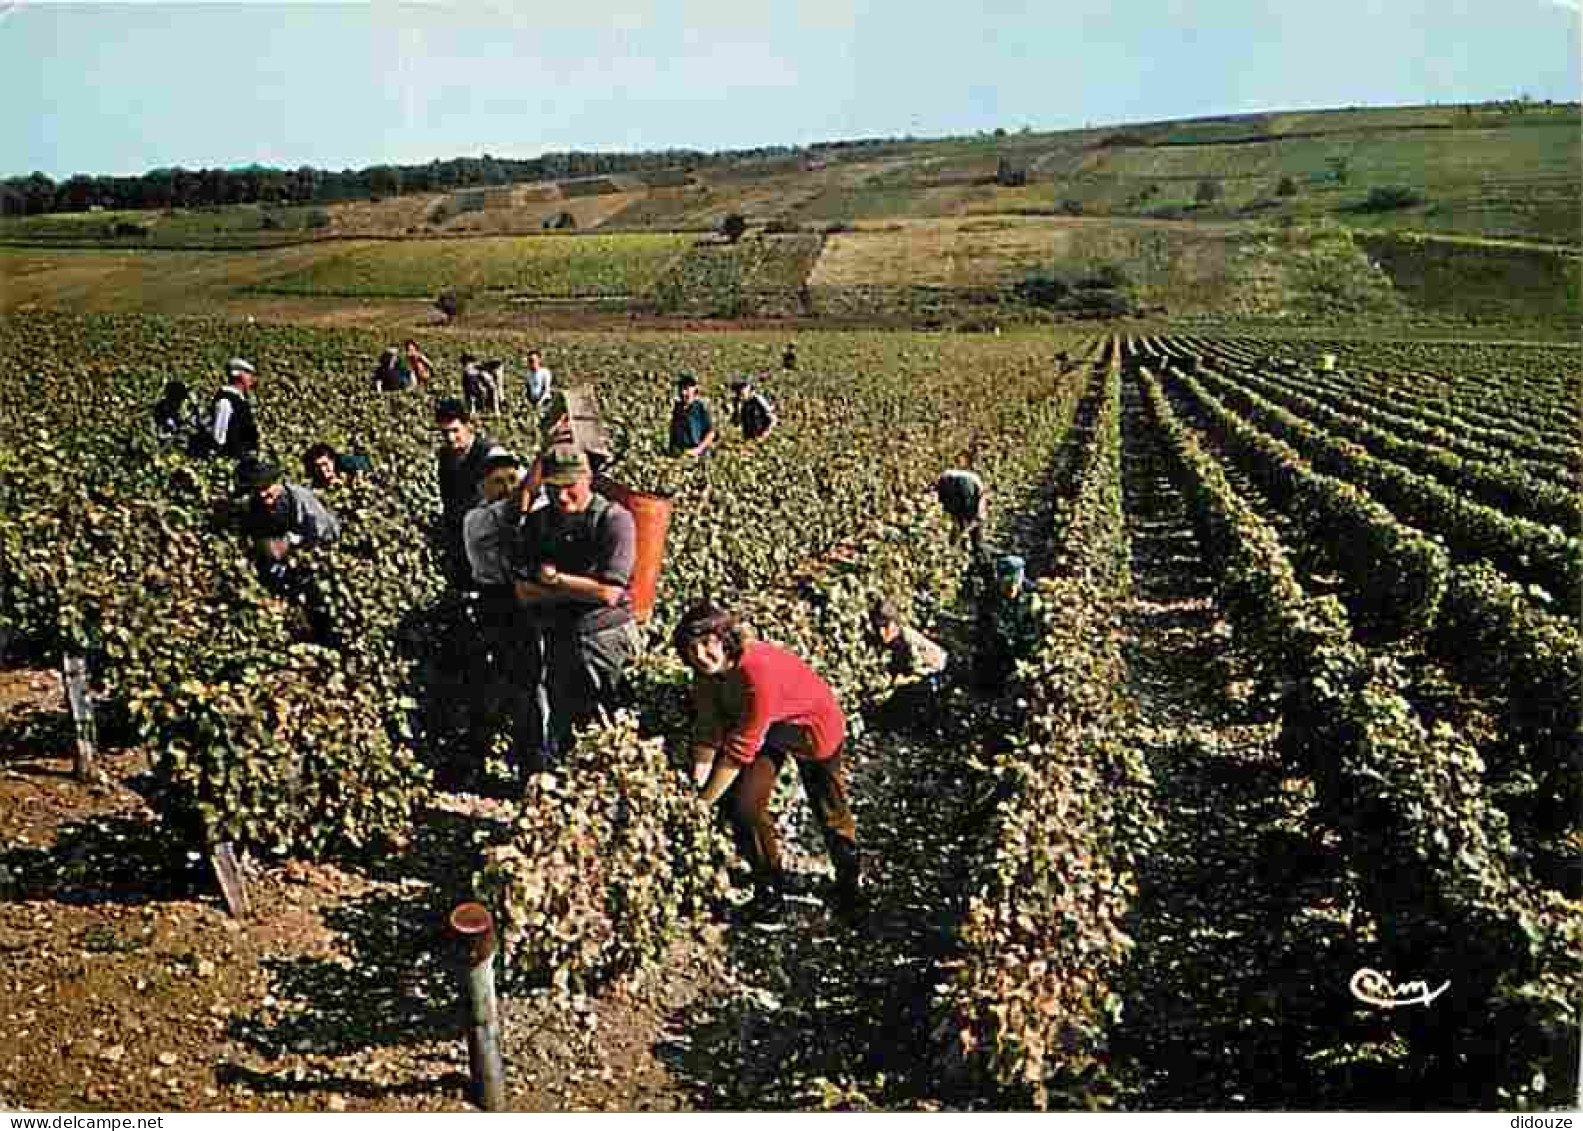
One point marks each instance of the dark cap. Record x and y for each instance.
(741, 383)
(564, 464)
(447, 409)
(686, 380)
(1009, 567)
(253, 474)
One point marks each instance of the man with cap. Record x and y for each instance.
(692, 428)
(233, 430)
(279, 518)
(274, 504)
(572, 564)
(752, 410)
(461, 455)
(1008, 627)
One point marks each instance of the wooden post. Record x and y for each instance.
(74, 675)
(472, 923)
(233, 885)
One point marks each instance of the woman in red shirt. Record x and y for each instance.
(758, 705)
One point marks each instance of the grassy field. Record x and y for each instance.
(549, 266)
(159, 282)
(1183, 267)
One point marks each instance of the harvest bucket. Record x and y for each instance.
(651, 515)
(1327, 362)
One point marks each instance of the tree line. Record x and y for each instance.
(196, 188)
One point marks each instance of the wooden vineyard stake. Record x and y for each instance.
(232, 883)
(74, 674)
(472, 924)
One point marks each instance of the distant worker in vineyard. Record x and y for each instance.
(176, 419)
(756, 706)
(417, 363)
(324, 467)
(915, 664)
(789, 357)
(461, 455)
(692, 428)
(572, 565)
(752, 410)
(483, 385)
(539, 382)
(1008, 626)
(233, 429)
(965, 499)
(390, 371)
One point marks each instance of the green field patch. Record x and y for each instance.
(536, 266)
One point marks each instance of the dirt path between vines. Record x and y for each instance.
(126, 986)
(1237, 992)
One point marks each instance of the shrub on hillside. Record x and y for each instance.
(1043, 288)
(1102, 291)
(782, 227)
(734, 226)
(318, 218)
(1287, 186)
(1387, 198)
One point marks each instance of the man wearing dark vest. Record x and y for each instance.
(572, 565)
(463, 450)
(233, 428)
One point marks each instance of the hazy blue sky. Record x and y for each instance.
(129, 87)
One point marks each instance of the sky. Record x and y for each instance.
(124, 88)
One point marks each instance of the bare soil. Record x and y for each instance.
(127, 986)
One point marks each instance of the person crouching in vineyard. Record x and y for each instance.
(572, 564)
(965, 499)
(279, 518)
(752, 410)
(271, 501)
(483, 385)
(325, 468)
(1008, 627)
(176, 419)
(916, 666)
(756, 706)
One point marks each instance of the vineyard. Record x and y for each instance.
(1304, 705)
(611, 265)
